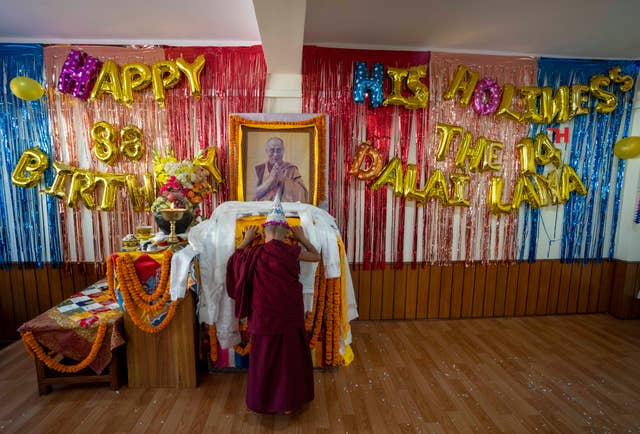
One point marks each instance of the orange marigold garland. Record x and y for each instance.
(337, 322)
(129, 281)
(310, 316)
(110, 278)
(36, 349)
(213, 343)
(328, 335)
(239, 349)
(321, 288)
(132, 293)
(130, 306)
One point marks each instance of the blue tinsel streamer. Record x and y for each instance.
(584, 226)
(29, 231)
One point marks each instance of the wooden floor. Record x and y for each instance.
(574, 373)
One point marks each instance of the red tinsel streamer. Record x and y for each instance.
(474, 225)
(232, 81)
(327, 86)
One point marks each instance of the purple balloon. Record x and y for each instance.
(486, 97)
(78, 74)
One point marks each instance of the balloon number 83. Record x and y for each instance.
(105, 147)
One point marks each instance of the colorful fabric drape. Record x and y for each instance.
(29, 232)
(71, 327)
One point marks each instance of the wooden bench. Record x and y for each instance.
(66, 334)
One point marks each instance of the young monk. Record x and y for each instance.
(263, 281)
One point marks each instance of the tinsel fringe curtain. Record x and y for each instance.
(377, 226)
(584, 227)
(365, 217)
(29, 224)
(233, 80)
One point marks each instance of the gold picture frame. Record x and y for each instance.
(304, 143)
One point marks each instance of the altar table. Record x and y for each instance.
(166, 358)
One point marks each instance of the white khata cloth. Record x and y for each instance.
(214, 241)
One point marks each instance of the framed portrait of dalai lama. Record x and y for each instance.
(276, 154)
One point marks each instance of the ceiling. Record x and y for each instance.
(578, 28)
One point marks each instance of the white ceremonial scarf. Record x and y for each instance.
(214, 241)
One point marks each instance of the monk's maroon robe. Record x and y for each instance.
(263, 280)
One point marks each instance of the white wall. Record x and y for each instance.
(628, 237)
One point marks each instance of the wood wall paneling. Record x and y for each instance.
(533, 288)
(422, 292)
(543, 287)
(433, 308)
(490, 287)
(412, 283)
(479, 290)
(7, 319)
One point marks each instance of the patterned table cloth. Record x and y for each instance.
(71, 327)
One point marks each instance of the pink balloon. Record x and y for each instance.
(486, 97)
(78, 74)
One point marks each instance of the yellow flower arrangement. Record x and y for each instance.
(180, 180)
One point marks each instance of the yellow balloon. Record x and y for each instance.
(141, 196)
(26, 88)
(108, 81)
(164, 75)
(410, 192)
(131, 142)
(83, 183)
(392, 175)
(192, 72)
(496, 206)
(104, 138)
(398, 76)
(419, 89)
(629, 147)
(135, 76)
(28, 171)
(207, 159)
(110, 182)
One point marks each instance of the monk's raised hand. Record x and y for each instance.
(298, 232)
(251, 233)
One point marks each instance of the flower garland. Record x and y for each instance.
(309, 317)
(240, 350)
(111, 284)
(132, 290)
(213, 343)
(129, 281)
(321, 289)
(331, 342)
(129, 305)
(336, 332)
(328, 335)
(35, 349)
